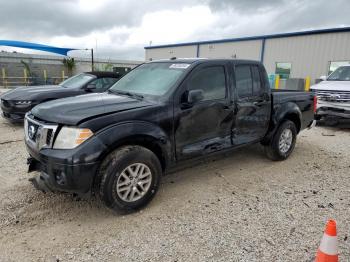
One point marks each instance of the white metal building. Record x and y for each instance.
(291, 55)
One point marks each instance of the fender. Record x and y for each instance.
(281, 112)
(138, 132)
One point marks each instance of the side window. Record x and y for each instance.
(211, 80)
(244, 81)
(103, 83)
(257, 85)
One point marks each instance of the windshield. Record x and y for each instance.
(150, 79)
(340, 74)
(77, 81)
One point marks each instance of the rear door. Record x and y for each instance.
(204, 127)
(253, 104)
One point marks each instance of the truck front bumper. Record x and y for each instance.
(63, 177)
(71, 171)
(333, 109)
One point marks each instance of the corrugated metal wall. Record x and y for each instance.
(239, 50)
(165, 53)
(310, 55)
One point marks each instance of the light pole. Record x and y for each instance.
(92, 58)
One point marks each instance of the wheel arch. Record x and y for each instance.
(288, 111)
(142, 134)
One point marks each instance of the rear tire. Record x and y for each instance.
(129, 178)
(283, 142)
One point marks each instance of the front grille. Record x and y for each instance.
(49, 136)
(38, 134)
(334, 96)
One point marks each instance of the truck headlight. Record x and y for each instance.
(71, 137)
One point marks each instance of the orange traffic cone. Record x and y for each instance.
(328, 250)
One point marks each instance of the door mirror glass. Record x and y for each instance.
(195, 96)
(323, 78)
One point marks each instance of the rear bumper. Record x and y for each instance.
(312, 124)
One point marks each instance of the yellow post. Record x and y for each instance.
(45, 76)
(25, 76)
(63, 75)
(3, 76)
(277, 81)
(307, 83)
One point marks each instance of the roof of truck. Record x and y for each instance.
(104, 74)
(194, 60)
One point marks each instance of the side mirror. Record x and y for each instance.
(323, 78)
(90, 87)
(194, 96)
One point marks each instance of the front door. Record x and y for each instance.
(253, 104)
(205, 126)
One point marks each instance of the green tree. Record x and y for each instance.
(69, 63)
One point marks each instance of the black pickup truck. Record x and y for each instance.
(118, 144)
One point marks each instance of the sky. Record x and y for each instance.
(120, 29)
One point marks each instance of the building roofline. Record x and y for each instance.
(249, 38)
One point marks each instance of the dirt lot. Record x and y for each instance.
(242, 207)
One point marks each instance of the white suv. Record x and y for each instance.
(333, 94)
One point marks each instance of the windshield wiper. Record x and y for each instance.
(126, 93)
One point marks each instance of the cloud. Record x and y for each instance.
(122, 28)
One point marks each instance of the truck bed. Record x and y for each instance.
(290, 98)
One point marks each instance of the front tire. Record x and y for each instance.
(129, 178)
(283, 142)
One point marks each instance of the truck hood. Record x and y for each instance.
(332, 86)
(30, 93)
(73, 110)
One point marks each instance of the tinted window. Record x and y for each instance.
(257, 86)
(153, 79)
(104, 83)
(244, 81)
(77, 81)
(211, 80)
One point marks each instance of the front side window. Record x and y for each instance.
(77, 81)
(211, 80)
(104, 82)
(283, 70)
(340, 74)
(334, 65)
(153, 79)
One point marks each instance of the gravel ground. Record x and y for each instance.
(241, 207)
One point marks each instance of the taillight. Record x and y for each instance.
(315, 104)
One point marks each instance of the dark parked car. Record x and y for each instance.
(119, 143)
(15, 103)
